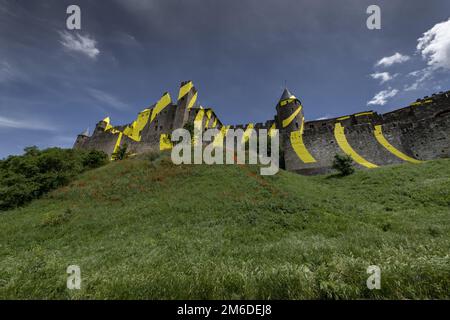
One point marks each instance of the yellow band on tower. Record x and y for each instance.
(185, 89)
(198, 124)
(208, 115)
(160, 105)
(193, 100)
(299, 146)
(289, 119)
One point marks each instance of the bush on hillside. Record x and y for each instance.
(36, 172)
(95, 159)
(343, 164)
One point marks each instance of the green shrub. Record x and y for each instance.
(36, 172)
(343, 164)
(95, 159)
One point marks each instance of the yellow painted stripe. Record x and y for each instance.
(114, 131)
(363, 114)
(382, 140)
(198, 123)
(287, 101)
(133, 131)
(339, 134)
(299, 146)
(108, 123)
(271, 130)
(247, 133)
(288, 120)
(117, 145)
(343, 118)
(128, 131)
(185, 89)
(208, 115)
(218, 139)
(193, 100)
(160, 105)
(164, 142)
(214, 123)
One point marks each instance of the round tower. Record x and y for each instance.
(289, 113)
(81, 139)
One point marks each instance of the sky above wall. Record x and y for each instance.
(54, 83)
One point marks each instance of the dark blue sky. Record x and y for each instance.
(54, 83)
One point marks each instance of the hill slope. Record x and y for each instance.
(141, 229)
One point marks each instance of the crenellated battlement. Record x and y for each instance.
(418, 132)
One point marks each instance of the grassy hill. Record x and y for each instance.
(147, 229)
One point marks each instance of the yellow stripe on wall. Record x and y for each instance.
(378, 132)
(133, 131)
(218, 139)
(339, 134)
(185, 89)
(288, 120)
(117, 145)
(368, 113)
(164, 142)
(160, 105)
(299, 146)
(198, 123)
(272, 130)
(193, 100)
(108, 123)
(208, 115)
(247, 133)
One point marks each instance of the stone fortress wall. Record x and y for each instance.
(413, 134)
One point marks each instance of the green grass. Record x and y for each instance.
(150, 230)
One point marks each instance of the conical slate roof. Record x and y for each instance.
(286, 95)
(85, 133)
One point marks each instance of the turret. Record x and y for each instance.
(186, 100)
(81, 139)
(289, 113)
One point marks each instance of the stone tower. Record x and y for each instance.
(186, 100)
(81, 139)
(290, 119)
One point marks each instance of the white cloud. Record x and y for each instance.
(421, 76)
(434, 45)
(381, 97)
(8, 72)
(107, 99)
(78, 43)
(383, 76)
(389, 61)
(24, 124)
